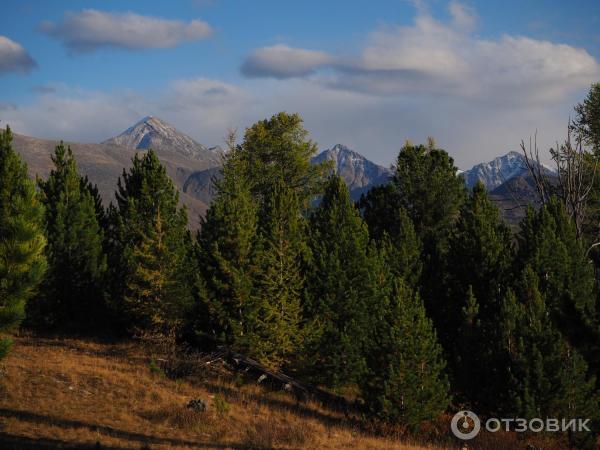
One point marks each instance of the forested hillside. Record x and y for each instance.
(414, 302)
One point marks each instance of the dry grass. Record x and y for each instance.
(57, 393)
(70, 393)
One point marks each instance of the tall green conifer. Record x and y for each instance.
(22, 241)
(345, 295)
(406, 381)
(149, 231)
(73, 295)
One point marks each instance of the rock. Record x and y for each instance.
(197, 405)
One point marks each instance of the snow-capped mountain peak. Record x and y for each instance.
(357, 171)
(494, 173)
(154, 133)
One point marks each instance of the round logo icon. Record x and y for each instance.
(465, 425)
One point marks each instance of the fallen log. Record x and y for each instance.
(299, 389)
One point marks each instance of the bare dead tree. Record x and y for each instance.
(536, 170)
(573, 181)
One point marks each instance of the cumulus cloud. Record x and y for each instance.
(477, 97)
(14, 58)
(447, 59)
(90, 30)
(281, 61)
(432, 57)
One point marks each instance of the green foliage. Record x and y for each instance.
(431, 192)
(587, 119)
(344, 289)
(150, 250)
(277, 151)
(405, 382)
(549, 377)
(479, 267)
(22, 241)
(222, 407)
(252, 248)
(548, 243)
(227, 254)
(392, 228)
(279, 284)
(73, 294)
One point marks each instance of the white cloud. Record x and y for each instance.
(477, 97)
(431, 57)
(90, 30)
(281, 61)
(13, 57)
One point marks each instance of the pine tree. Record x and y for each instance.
(22, 242)
(405, 382)
(345, 295)
(148, 229)
(587, 119)
(73, 294)
(392, 228)
(429, 189)
(550, 377)
(478, 267)
(227, 257)
(548, 243)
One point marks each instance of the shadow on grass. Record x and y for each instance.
(144, 440)
(10, 442)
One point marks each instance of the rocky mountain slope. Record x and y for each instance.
(194, 167)
(104, 163)
(358, 172)
(496, 172)
(152, 132)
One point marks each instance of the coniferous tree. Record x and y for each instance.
(587, 119)
(22, 241)
(392, 228)
(478, 265)
(227, 254)
(246, 250)
(550, 377)
(148, 230)
(548, 243)
(73, 295)
(405, 382)
(277, 150)
(345, 297)
(427, 187)
(280, 283)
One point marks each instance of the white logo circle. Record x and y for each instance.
(460, 425)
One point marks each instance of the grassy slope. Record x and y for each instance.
(63, 392)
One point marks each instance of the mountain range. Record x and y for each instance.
(193, 166)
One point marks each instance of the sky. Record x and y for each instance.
(478, 76)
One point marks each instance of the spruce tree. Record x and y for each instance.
(344, 293)
(22, 261)
(73, 294)
(406, 381)
(149, 230)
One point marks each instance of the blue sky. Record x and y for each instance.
(478, 76)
